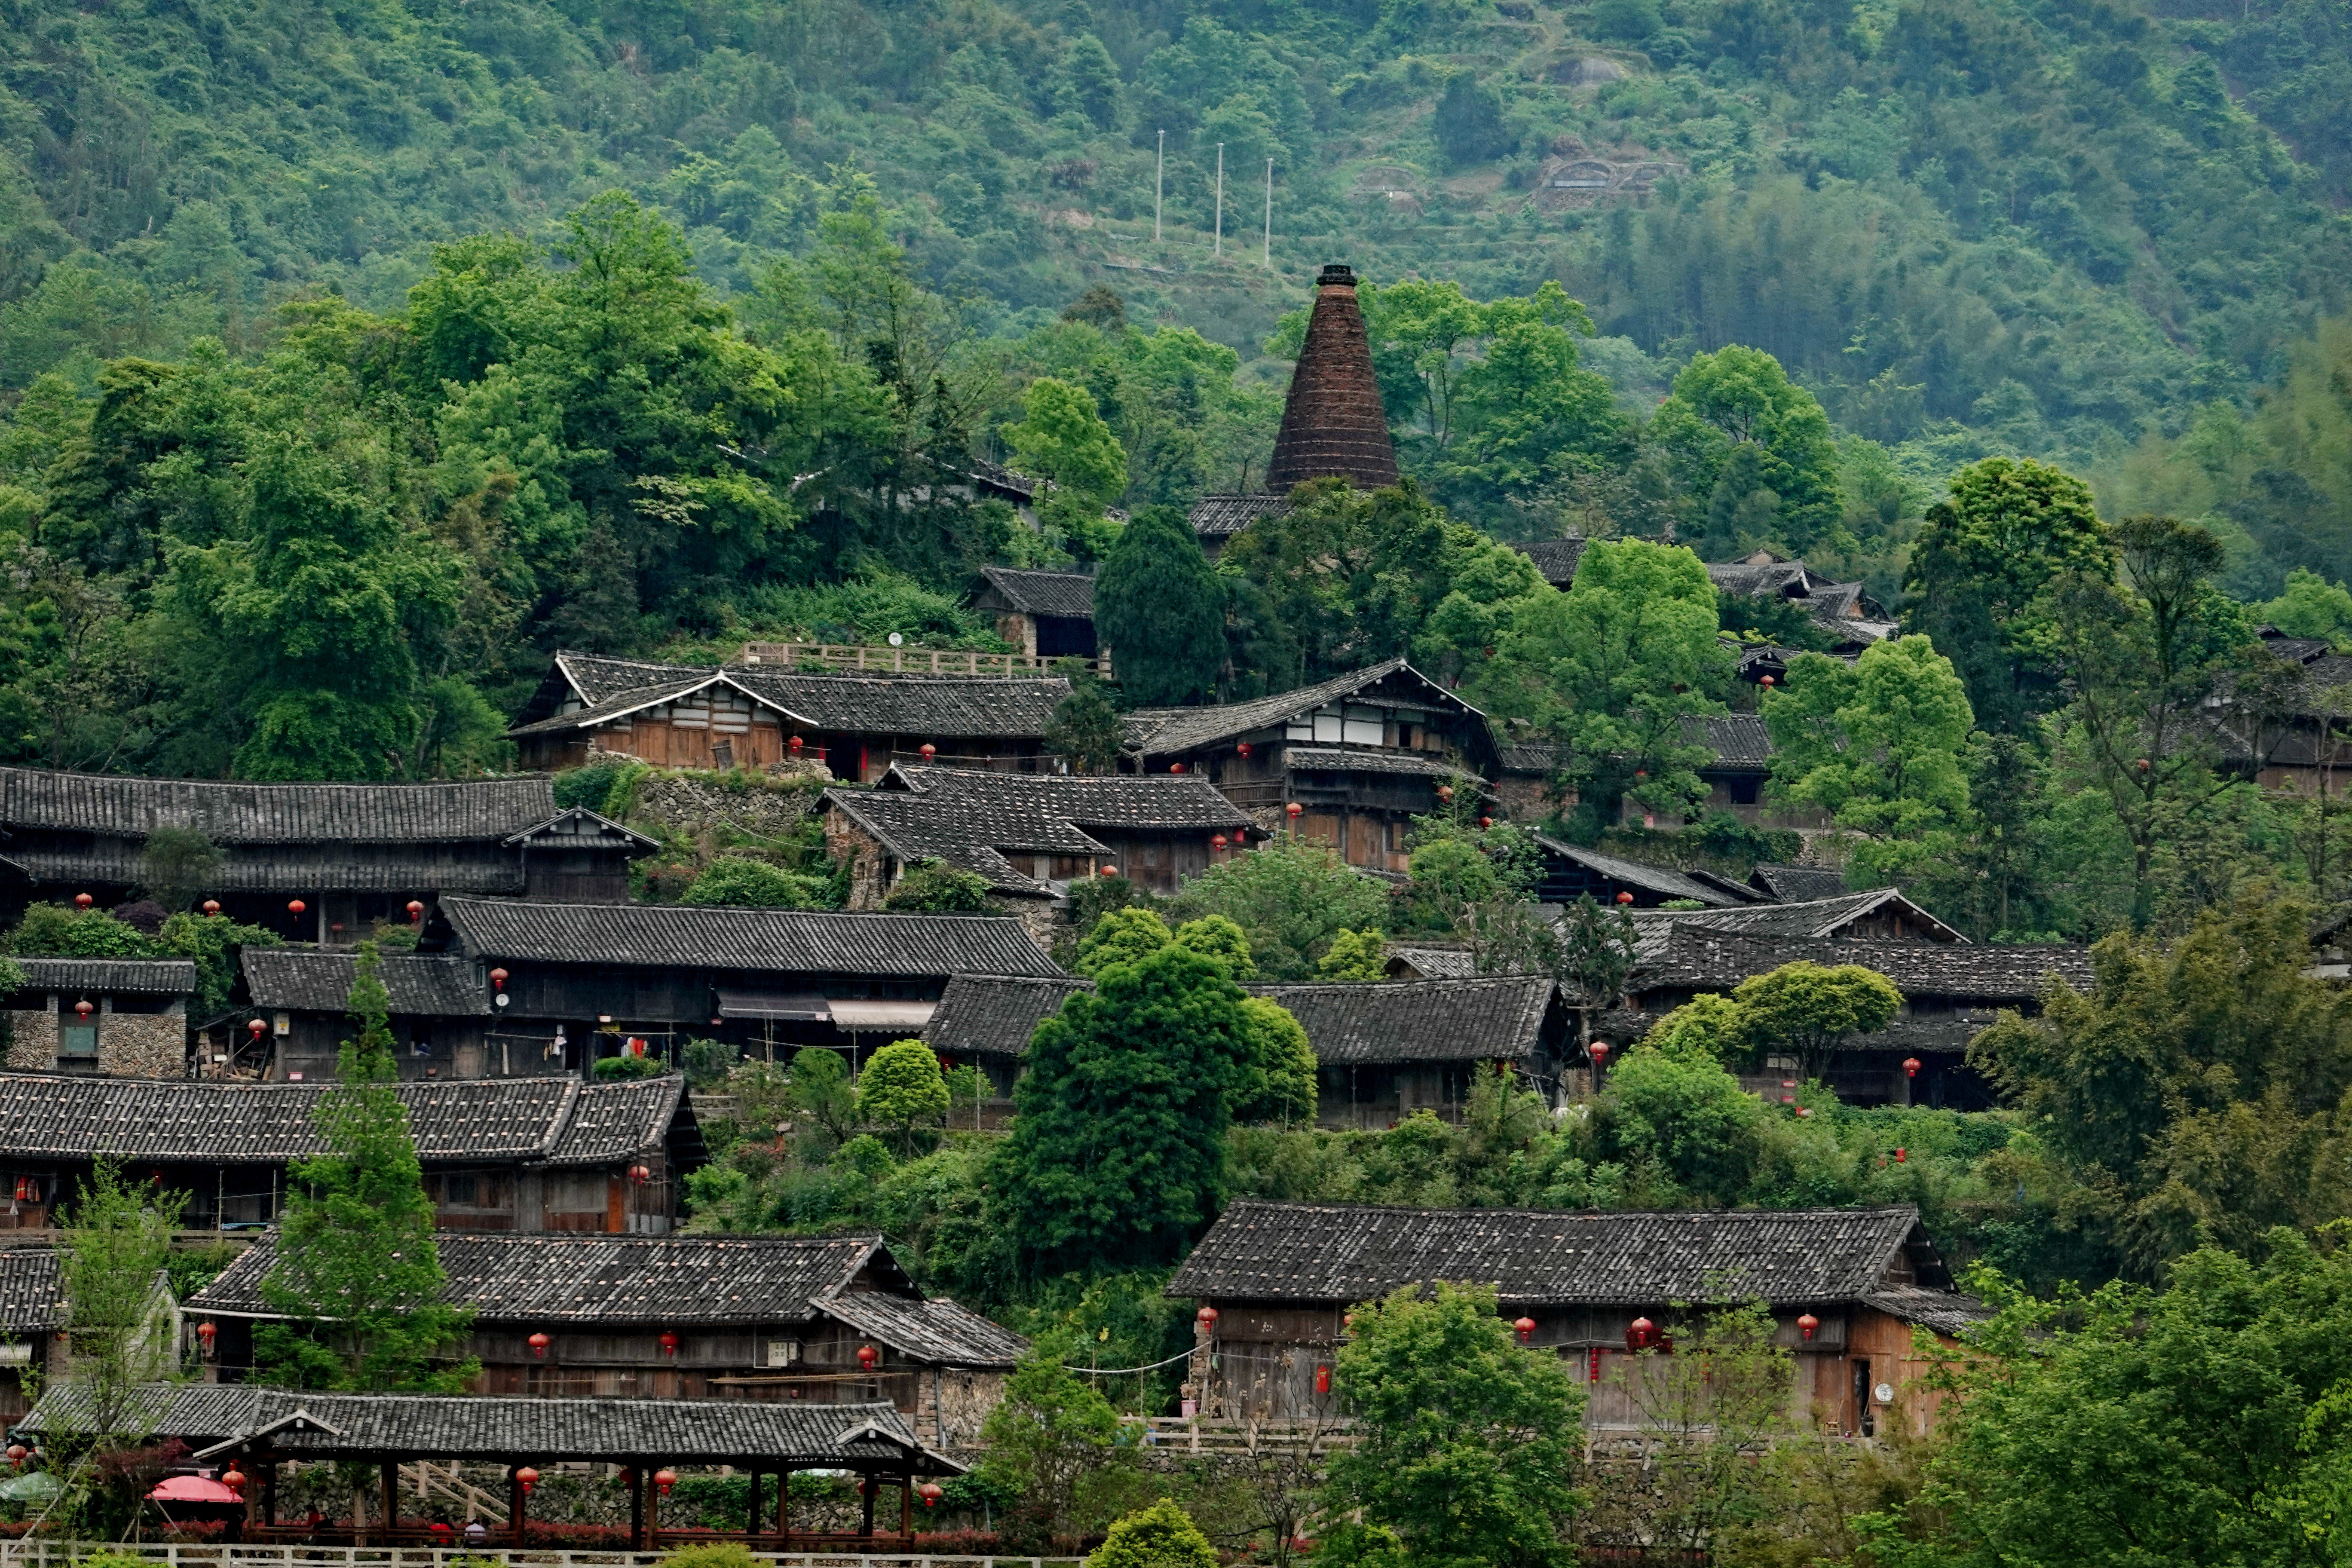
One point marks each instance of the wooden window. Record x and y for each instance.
(1361, 727)
(78, 1042)
(722, 753)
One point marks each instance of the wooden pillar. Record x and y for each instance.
(269, 1491)
(514, 1504)
(783, 1502)
(638, 1507)
(865, 1502)
(752, 1516)
(907, 1508)
(653, 1518)
(390, 1471)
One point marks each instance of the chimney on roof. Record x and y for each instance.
(1332, 424)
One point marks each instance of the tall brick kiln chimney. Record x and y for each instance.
(1332, 424)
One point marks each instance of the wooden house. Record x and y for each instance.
(1031, 834)
(440, 1016)
(1044, 615)
(756, 715)
(349, 854)
(525, 1155)
(1881, 914)
(119, 1018)
(1282, 1279)
(1382, 1051)
(687, 1316)
(570, 983)
(1952, 991)
(1360, 755)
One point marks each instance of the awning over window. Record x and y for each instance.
(861, 1014)
(797, 1007)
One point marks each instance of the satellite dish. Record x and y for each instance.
(895, 638)
(1884, 1392)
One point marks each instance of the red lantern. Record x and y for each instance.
(207, 1330)
(1901, 1155)
(1639, 1334)
(1641, 773)
(16, 1456)
(1293, 808)
(1593, 1365)
(1485, 823)
(1911, 1066)
(1206, 1317)
(930, 1493)
(1242, 748)
(539, 1343)
(669, 1342)
(1527, 1328)
(83, 901)
(212, 906)
(2143, 764)
(664, 1479)
(1807, 1324)
(528, 1477)
(1804, 1112)
(1445, 792)
(233, 1478)
(1322, 1380)
(1599, 1050)
(1625, 898)
(641, 1175)
(867, 1357)
(84, 1009)
(929, 750)
(1105, 871)
(499, 978)
(256, 1026)
(795, 744)
(1175, 767)
(295, 906)
(1767, 680)
(415, 910)
(1219, 842)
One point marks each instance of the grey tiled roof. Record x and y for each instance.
(1737, 740)
(615, 1280)
(785, 941)
(1815, 917)
(305, 868)
(333, 814)
(1798, 884)
(1066, 593)
(1698, 957)
(425, 984)
(1323, 1253)
(1111, 803)
(1168, 731)
(1661, 880)
(1361, 759)
(1493, 1019)
(120, 976)
(622, 703)
(1220, 517)
(1555, 558)
(619, 1431)
(994, 1015)
(917, 707)
(1436, 963)
(166, 1120)
(1777, 578)
(937, 1330)
(1940, 1310)
(915, 828)
(1533, 757)
(32, 1292)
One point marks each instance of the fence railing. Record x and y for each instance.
(43, 1552)
(905, 660)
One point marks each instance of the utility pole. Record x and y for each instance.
(1268, 258)
(1219, 249)
(1159, 186)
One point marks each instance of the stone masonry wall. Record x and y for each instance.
(142, 1044)
(33, 1040)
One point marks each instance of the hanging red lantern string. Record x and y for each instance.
(526, 1478)
(539, 1343)
(1526, 1328)
(867, 1357)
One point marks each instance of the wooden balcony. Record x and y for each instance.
(875, 660)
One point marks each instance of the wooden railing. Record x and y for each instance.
(44, 1552)
(907, 660)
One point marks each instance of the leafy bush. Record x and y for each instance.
(939, 888)
(591, 786)
(1161, 1536)
(707, 1063)
(53, 931)
(628, 1068)
(742, 883)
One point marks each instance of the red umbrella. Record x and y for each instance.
(191, 1489)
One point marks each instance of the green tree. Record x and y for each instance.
(1061, 438)
(53, 931)
(1117, 1155)
(1121, 936)
(1979, 577)
(1222, 942)
(1355, 956)
(1085, 729)
(115, 1239)
(934, 887)
(2312, 607)
(2202, 1423)
(1469, 123)
(1161, 610)
(1469, 1446)
(1714, 1415)
(1291, 899)
(213, 943)
(1678, 1114)
(1161, 1536)
(1808, 1010)
(175, 865)
(357, 1276)
(1756, 446)
(1278, 1083)
(819, 1088)
(1707, 1027)
(1613, 668)
(740, 882)
(900, 1088)
(1050, 1436)
(1878, 745)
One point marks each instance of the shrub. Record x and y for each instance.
(740, 883)
(591, 786)
(628, 1068)
(707, 1063)
(718, 1554)
(939, 888)
(1161, 1536)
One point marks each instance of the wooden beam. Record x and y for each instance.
(638, 1507)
